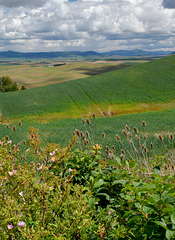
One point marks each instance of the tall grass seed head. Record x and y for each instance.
(127, 127)
(129, 134)
(83, 120)
(144, 123)
(14, 128)
(87, 133)
(103, 135)
(88, 121)
(145, 136)
(77, 132)
(123, 151)
(118, 137)
(124, 132)
(160, 137)
(135, 130)
(138, 138)
(152, 145)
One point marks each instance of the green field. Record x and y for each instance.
(60, 131)
(141, 88)
(126, 96)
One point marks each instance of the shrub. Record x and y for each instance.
(48, 192)
(6, 84)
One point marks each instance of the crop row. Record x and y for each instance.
(151, 82)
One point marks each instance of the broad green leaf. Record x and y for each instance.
(93, 164)
(168, 187)
(132, 164)
(147, 210)
(101, 189)
(128, 214)
(156, 169)
(98, 183)
(138, 205)
(104, 194)
(112, 162)
(118, 160)
(169, 234)
(162, 224)
(119, 181)
(168, 209)
(173, 217)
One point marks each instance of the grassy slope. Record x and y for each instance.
(144, 87)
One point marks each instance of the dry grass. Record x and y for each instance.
(35, 74)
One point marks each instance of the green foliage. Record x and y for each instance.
(37, 200)
(6, 85)
(75, 193)
(23, 87)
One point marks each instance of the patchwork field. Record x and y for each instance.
(141, 88)
(40, 73)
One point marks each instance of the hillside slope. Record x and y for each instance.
(144, 87)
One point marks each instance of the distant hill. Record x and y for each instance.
(11, 54)
(137, 52)
(87, 54)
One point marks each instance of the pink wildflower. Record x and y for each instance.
(21, 224)
(53, 159)
(10, 227)
(52, 153)
(20, 214)
(10, 173)
(39, 168)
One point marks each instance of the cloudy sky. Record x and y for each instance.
(99, 25)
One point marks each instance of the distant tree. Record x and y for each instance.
(6, 84)
(23, 88)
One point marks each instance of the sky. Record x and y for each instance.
(87, 25)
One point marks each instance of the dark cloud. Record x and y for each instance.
(169, 3)
(18, 3)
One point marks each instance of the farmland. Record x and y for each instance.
(35, 73)
(76, 173)
(126, 96)
(140, 88)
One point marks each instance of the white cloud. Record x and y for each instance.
(86, 25)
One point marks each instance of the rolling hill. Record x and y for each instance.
(145, 87)
(86, 54)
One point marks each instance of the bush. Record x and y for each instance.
(6, 84)
(48, 192)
